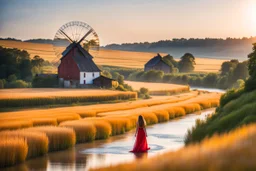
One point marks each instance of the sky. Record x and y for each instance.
(118, 21)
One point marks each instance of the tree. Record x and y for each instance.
(37, 61)
(228, 66)
(12, 78)
(120, 79)
(187, 62)
(1, 84)
(170, 59)
(252, 62)
(106, 74)
(241, 71)
(115, 75)
(250, 84)
(211, 79)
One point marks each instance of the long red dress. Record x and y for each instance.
(141, 144)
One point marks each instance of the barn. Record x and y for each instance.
(77, 68)
(157, 63)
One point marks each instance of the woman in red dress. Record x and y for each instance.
(141, 144)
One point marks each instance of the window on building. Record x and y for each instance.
(93, 74)
(84, 75)
(84, 81)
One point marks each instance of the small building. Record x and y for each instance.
(105, 82)
(77, 68)
(157, 63)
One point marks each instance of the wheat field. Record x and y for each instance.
(110, 57)
(62, 127)
(55, 96)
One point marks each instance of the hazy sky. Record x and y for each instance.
(118, 21)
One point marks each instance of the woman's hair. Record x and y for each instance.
(141, 121)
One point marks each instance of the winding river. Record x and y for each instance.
(162, 137)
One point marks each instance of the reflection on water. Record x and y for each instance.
(161, 138)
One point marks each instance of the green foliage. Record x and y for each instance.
(238, 109)
(239, 84)
(12, 78)
(211, 79)
(230, 95)
(252, 62)
(153, 75)
(187, 62)
(106, 74)
(120, 70)
(250, 84)
(37, 61)
(143, 93)
(17, 84)
(120, 79)
(2, 82)
(45, 82)
(170, 59)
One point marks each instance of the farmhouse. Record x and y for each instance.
(77, 68)
(157, 63)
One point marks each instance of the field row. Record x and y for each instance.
(40, 97)
(36, 141)
(230, 151)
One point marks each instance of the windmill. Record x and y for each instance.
(75, 44)
(75, 32)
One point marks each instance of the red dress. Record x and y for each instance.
(141, 144)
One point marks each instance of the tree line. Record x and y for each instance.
(17, 68)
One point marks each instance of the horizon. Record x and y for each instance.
(119, 22)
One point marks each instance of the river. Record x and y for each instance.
(162, 137)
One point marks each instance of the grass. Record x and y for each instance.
(13, 150)
(229, 151)
(37, 142)
(110, 57)
(41, 97)
(60, 138)
(235, 113)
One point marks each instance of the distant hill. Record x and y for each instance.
(44, 41)
(228, 48)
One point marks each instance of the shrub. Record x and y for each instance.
(17, 84)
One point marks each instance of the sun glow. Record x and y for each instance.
(251, 10)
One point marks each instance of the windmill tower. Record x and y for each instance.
(79, 42)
